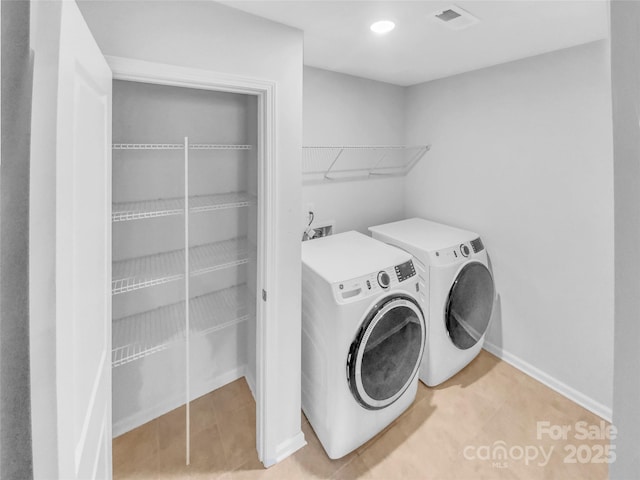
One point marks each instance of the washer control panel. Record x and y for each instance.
(384, 280)
(477, 245)
(374, 283)
(405, 270)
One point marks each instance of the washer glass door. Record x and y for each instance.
(469, 305)
(386, 353)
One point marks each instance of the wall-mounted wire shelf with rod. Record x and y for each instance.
(358, 162)
(178, 146)
(163, 207)
(140, 335)
(142, 272)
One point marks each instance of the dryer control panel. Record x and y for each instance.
(456, 253)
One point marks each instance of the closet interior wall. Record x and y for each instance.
(150, 380)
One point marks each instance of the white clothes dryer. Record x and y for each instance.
(363, 336)
(457, 290)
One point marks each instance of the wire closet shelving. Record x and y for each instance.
(177, 146)
(142, 334)
(358, 162)
(163, 207)
(142, 272)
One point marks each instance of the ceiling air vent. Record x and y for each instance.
(455, 18)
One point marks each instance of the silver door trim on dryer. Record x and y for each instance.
(470, 333)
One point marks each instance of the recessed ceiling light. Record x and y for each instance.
(383, 26)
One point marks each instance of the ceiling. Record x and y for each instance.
(337, 35)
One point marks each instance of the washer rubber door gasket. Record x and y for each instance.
(386, 352)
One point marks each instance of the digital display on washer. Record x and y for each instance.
(477, 245)
(405, 270)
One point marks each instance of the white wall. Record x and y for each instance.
(209, 36)
(522, 154)
(345, 110)
(625, 72)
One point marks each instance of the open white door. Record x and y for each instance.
(83, 252)
(66, 54)
(83, 256)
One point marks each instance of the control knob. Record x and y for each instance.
(383, 279)
(464, 250)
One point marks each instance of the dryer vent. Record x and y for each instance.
(455, 18)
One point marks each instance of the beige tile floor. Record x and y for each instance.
(488, 402)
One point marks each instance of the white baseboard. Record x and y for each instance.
(251, 382)
(553, 383)
(286, 448)
(168, 404)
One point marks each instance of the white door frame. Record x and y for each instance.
(266, 334)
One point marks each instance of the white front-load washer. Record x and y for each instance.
(363, 336)
(457, 288)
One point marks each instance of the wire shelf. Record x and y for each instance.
(140, 335)
(147, 146)
(230, 307)
(164, 207)
(210, 146)
(356, 162)
(178, 146)
(208, 203)
(142, 272)
(217, 256)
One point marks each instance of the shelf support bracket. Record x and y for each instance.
(326, 174)
(382, 157)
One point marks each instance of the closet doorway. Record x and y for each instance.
(192, 202)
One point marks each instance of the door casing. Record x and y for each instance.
(267, 269)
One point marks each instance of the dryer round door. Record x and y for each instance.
(469, 305)
(385, 355)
